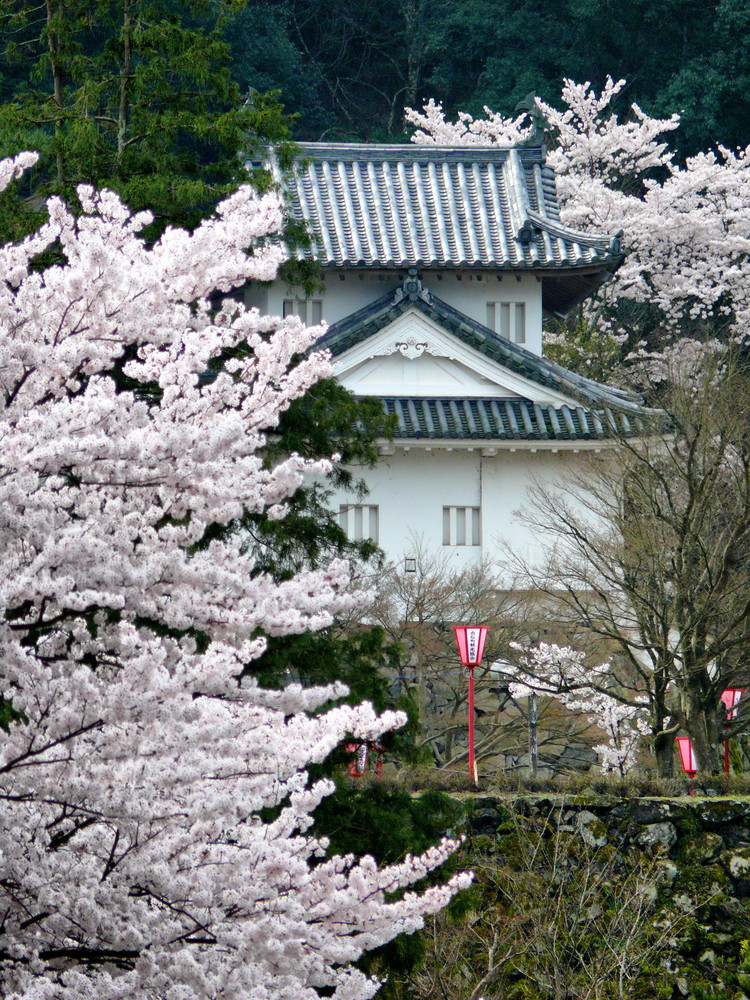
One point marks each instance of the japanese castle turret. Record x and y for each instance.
(439, 264)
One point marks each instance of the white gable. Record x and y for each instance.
(414, 356)
(425, 375)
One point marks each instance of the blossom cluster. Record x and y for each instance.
(562, 673)
(686, 226)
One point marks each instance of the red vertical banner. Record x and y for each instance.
(730, 697)
(687, 758)
(470, 640)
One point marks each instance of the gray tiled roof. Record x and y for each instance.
(493, 419)
(366, 322)
(435, 206)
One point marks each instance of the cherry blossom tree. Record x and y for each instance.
(154, 810)
(686, 226)
(562, 672)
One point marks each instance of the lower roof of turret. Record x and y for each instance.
(496, 419)
(595, 412)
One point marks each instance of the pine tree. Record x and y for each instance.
(135, 95)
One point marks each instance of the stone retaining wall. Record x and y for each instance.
(701, 845)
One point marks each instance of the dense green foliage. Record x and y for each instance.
(348, 68)
(137, 95)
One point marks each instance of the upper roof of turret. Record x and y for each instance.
(439, 207)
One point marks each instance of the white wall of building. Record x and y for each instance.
(411, 488)
(347, 291)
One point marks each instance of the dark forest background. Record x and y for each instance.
(347, 68)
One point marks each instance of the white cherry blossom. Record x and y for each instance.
(562, 673)
(686, 225)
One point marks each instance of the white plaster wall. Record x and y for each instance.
(347, 291)
(396, 375)
(411, 488)
(507, 479)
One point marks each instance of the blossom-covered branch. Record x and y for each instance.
(562, 673)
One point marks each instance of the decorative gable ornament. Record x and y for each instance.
(411, 348)
(412, 288)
